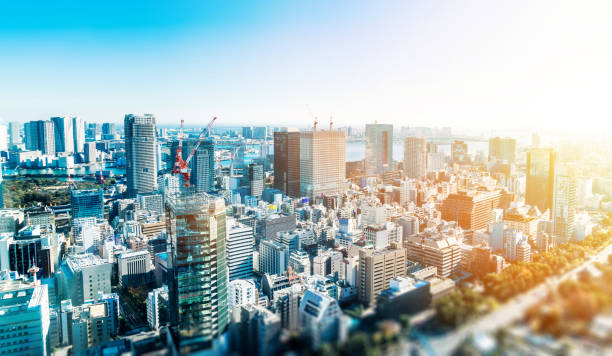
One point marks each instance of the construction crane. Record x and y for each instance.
(182, 166)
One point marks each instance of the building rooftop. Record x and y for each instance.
(78, 262)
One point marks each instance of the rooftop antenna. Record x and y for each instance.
(331, 123)
(315, 125)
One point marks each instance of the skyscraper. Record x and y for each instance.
(256, 177)
(141, 159)
(322, 162)
(459, 151)
(197, 269)
(415, 157)
(540, 178)
(376, 268)
(40, 136)
(87, 203)
(240, 244)
(503, 149)
(379, 148)
(78, 133)
(14, 132)
(287, 161)
(63, 132)
(564, 204)
(24, 317)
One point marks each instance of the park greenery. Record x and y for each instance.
(461, 306)
(570, 309)
(30, 192)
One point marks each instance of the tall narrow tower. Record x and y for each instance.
(140, 151)
(196, 226)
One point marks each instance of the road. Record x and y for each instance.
(506, 314)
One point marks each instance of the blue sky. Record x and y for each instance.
(466, 64)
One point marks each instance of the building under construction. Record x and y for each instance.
(197, 270)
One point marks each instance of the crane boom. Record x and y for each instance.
(205, 132)
(182, 166)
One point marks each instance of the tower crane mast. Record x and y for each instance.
(182, 166)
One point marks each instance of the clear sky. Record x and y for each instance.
(438, 63)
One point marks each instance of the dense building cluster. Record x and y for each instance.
(260, 247)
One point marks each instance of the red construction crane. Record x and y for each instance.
(182, 166)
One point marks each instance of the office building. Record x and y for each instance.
(202, 164)
(108, 131)
(256, 179)
(286, 161)
(273, 257)
(328, 262)
(24, 317)
(33, 245)
(322, 163)
(405, 295)
(379, 148)
(140, 154)
(134, 267)
(321, 319)
(10, 220)
(376, 236)
(260, 132)
(14, 134)
(63, 131)
(91, 153)
(472, 210)
(275, 223)
(299, 261)
(78, 134)
(83, 277)
(87, 203)
(247, 132)
(434, 248)
(376, 269)
(240, 243)
(564, 204)
(241, 292)
(540, 180)
(459, 152)
(502, 149)
(196, 229)
(415, 157)
(40, 136)
(256, 331)
(90, 326)
(516, 246)
(157, 307)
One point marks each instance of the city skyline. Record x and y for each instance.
(446, 64)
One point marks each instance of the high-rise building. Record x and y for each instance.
(197, 268)
(24, 317)
(287, 161)
(240, 242)
(40, 136)
(202, 165)
(4, 138)
(140, 152)
(14, 132)
(91, 153)
(437, 249)
(133, 268)
(63, 131)
(260, 132)
(90, 326)
(273, 257)
(256, 178)
(415, 157)
(379, 148)
(256, 331)
(502, 149)
(459, 151)
(322, 163)
(472, 210)
(247, 132)
(83, 277)
(155, 300)
(299, 261)
(564, 203)
(321, 319)
(241, 292)
(108, 131)
(87, 203)
(377, 268)
(78, 134)
(540, 178)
